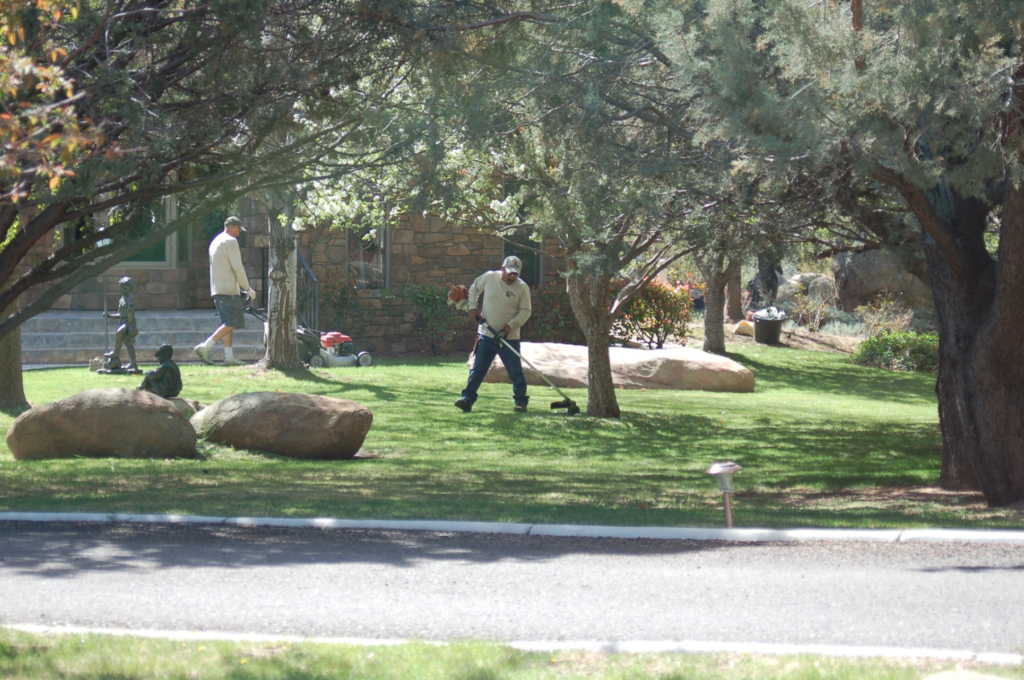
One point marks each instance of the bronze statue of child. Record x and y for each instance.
(127, 331)
(165, 381)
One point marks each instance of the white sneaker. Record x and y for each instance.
(204, 354)
(232, 361)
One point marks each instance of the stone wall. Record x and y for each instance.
(155, 287)
(420, 250)
(423, 250)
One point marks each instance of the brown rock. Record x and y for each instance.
(104, 423)
(683, 368)
(294, 425)
(818, 287)
(189, 407)
(861, 277)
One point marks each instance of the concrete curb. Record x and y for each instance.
(599, 647)
(566, 530)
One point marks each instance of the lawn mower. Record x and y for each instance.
(318, 349)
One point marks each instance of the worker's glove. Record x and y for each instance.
(251, 293)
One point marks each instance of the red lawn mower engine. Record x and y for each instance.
(337, 349)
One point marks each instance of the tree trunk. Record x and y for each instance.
(12, 390)
(714, 303)
(734, 287)
(980, 384)
(590, 295)
(282, 313)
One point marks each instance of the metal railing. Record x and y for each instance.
(307, 294)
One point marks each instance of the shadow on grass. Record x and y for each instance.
(841, 376)
(14, 411)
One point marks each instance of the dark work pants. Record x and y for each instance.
(486, 350)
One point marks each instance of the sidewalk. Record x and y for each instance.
(564, 530)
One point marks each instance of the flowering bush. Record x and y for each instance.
(657, 313)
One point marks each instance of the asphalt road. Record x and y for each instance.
(450, 586)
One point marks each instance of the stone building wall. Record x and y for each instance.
(420, 250)
(155, 287)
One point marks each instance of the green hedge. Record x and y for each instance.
(900, 351)
(552, 319)
(436, 320)
(659, 312)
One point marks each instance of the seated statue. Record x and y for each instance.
(165, 381)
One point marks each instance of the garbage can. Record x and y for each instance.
(768, 325)
(767, 331)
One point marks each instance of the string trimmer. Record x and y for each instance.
(566, 402)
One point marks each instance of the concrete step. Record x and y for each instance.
(72, 337)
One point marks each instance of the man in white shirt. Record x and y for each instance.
(506, 307)
(227, 281)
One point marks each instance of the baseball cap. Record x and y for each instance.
(512, 264)
(235, 221)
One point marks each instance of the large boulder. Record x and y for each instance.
(818, 287)
(294, 425)
(105, 423)
(861, 277)
(682, 368)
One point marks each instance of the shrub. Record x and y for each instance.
(436, 320)
(341, 308)
(807, 311)
(853, 329)
(900, 351)
(552, 319)
(885, 314)
(658, 312)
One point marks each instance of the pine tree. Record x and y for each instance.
(905, 107)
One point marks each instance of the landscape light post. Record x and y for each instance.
(723, 472)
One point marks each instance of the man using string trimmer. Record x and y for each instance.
(506, 307)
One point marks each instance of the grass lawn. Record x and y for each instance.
(823, 443)
(68, 657)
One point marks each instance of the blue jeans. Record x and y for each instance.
(486, 350)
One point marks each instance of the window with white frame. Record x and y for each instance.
(369, 257)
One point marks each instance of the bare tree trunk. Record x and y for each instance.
(734, 287)
(714, 302)
(282, 312)
(591, 300)
(12, 390)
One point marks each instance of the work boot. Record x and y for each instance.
(520, 408)
(204, 354)
(465, 404)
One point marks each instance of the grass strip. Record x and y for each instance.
(68, 657)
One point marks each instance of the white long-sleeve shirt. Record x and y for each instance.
(503, 303)
(227, 276)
